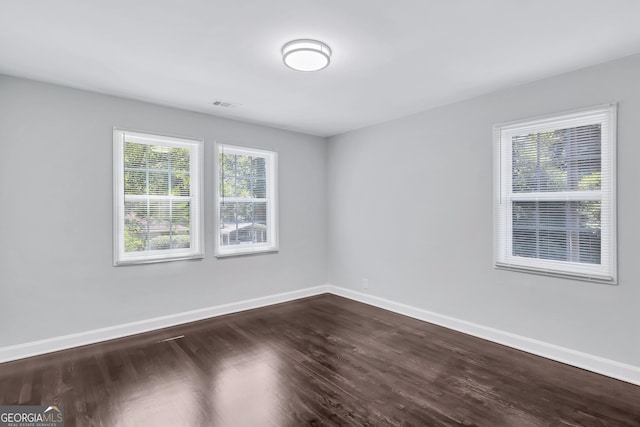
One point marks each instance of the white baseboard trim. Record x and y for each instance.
(599, 365)
(35, 348)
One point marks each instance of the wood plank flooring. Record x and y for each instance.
(323, 360)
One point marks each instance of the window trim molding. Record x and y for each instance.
(273, 212)
(197, 250)
(606, 274)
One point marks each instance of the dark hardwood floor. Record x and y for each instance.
(319, 361)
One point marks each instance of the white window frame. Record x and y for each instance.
(606, 271)
(196, 162)
(271, 171)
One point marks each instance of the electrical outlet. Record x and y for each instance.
(365, 283)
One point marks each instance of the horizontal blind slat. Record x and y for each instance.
(554, 194)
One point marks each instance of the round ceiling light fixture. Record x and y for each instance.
(306, 55)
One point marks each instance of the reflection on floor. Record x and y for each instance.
(319, 361)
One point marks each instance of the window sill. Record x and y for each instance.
(248, 252)
(560, 274)
(153, 260)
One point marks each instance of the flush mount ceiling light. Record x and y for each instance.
(306, 55)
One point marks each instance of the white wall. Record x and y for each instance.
(410, 208)
(56, 273)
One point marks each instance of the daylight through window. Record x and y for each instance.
(555, 195)
(247, 202)
(157, 198)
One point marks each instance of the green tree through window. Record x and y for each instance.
(157, 196)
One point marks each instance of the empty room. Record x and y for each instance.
(341, 213)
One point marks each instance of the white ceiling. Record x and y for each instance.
(390, 57)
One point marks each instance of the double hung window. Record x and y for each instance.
(555, 195)
(246, 193)
(157, 198)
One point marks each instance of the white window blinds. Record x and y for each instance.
(157, 198)
(555, 195)
(246, 201)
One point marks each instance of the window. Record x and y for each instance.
(247, 201)
(555, 195)
(157, 198)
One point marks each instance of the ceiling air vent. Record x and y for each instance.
(224, 104)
